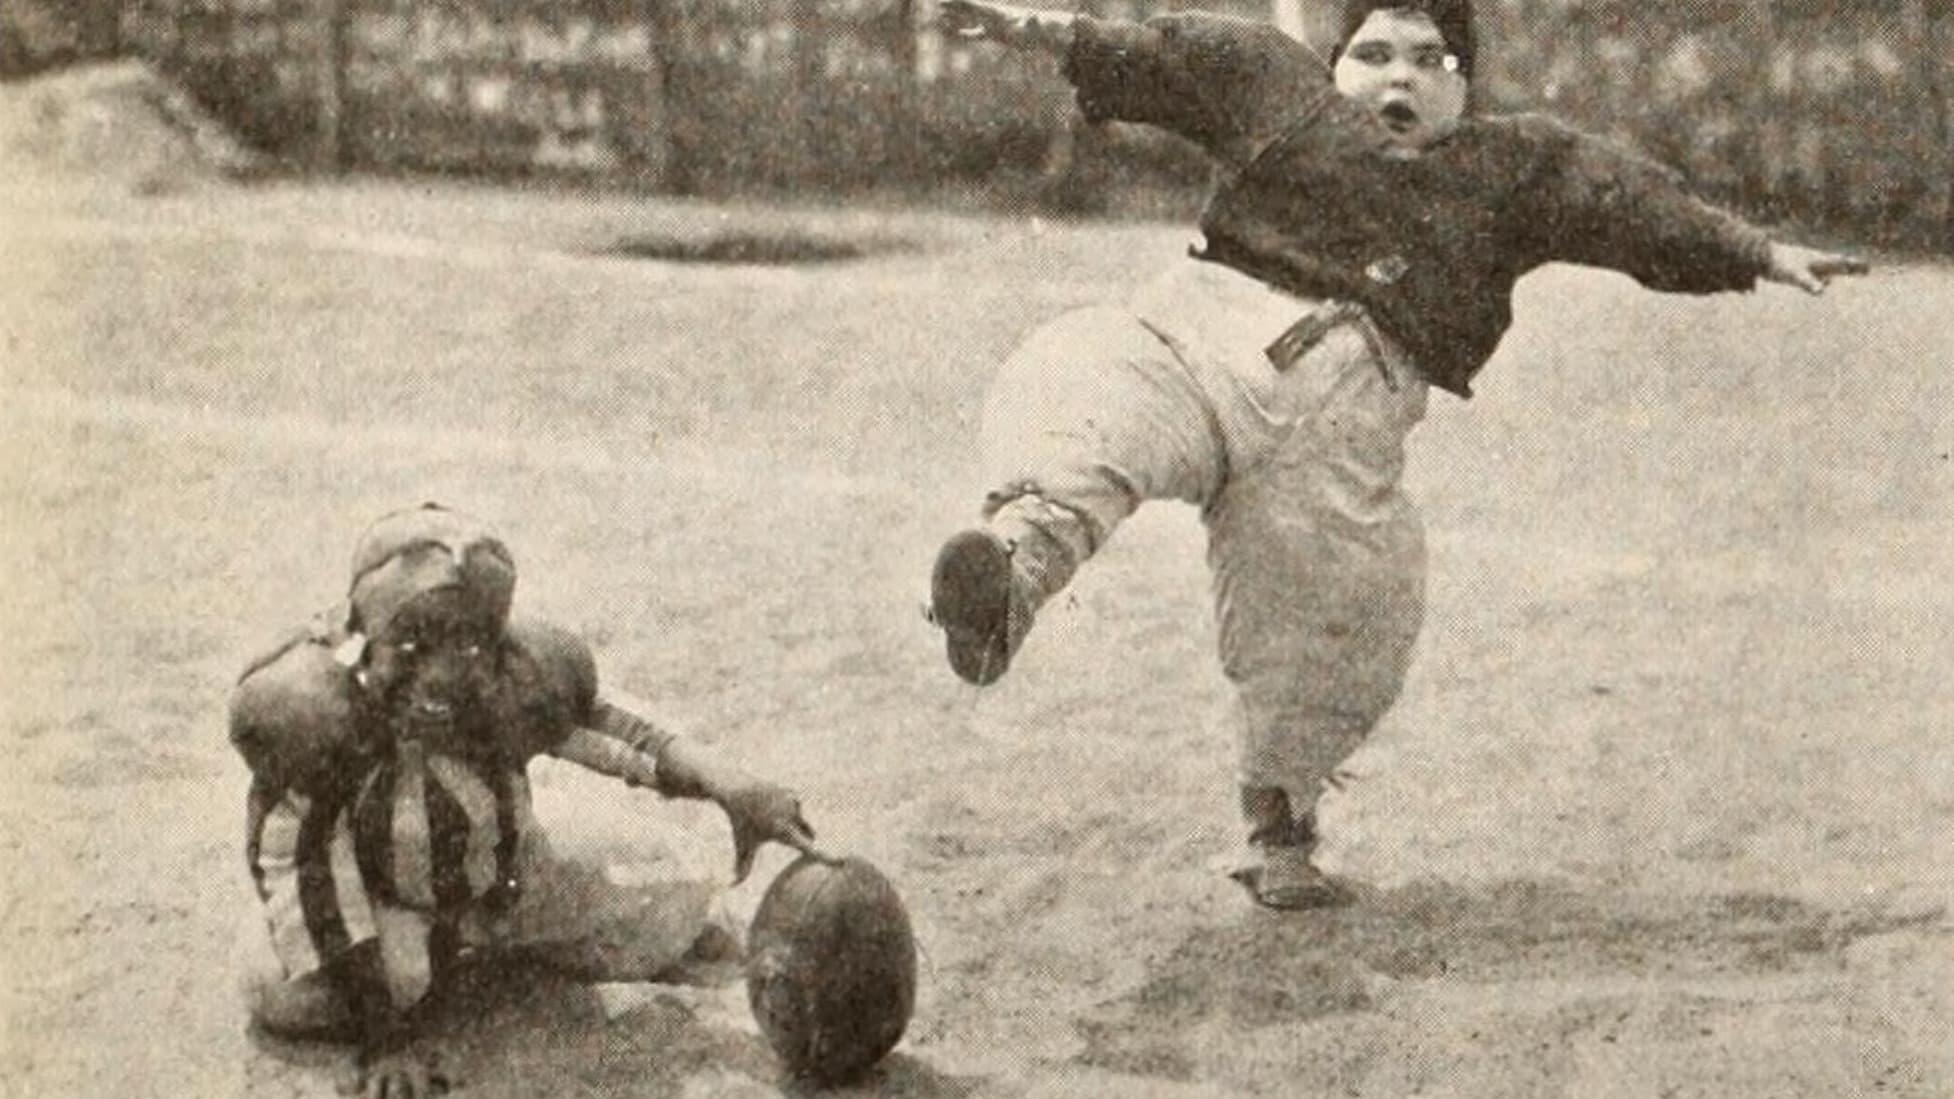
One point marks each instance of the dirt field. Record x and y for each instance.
(1667, 810)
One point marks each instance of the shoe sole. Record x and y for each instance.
(970, 598)
(1295, 896)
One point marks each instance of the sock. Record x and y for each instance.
(1270, 821)
(1045, 557)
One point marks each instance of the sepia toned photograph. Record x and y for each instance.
(948, 549)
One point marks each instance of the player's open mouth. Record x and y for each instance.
(1398, 116)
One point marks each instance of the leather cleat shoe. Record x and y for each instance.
(982, 602)
(1286, 879)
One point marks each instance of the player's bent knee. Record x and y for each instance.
(294, 1007)
(283, 1005)
(644, 930)
(629, 932)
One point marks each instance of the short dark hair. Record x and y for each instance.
(1453, 18)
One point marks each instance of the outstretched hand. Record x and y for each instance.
(1004, 24)
(974, 19)
(762, 812)
(1810, 269)
(406, 1073)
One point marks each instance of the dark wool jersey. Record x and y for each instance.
(1430, 244)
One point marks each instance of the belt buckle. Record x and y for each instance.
(1289, 348)
(1296, 340)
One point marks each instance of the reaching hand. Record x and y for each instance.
(760, 812)
(1006, 25)
(405, 1073)
(1810, 269)
(975, 19)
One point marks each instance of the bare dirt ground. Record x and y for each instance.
(1667, 810)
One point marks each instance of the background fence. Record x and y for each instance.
(1836, 114)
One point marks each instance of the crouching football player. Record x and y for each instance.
(390, 830)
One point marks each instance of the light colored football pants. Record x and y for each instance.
(1318, 557)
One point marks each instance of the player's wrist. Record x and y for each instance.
(680, 772)
(1050, 31)
(642, 770)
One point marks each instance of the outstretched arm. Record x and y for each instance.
(1606, 206)
(1008, 25)
(1229, 85)
(617, 741)
(1810, 269)
(608, 732)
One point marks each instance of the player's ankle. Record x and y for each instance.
(1272, 820)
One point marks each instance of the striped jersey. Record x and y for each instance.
(436, 835)
(345, 826)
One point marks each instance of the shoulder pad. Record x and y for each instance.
(292, 712)
(548, 686)
(562, 660)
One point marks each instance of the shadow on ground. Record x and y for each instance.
(521, 1030)
(1269, 969)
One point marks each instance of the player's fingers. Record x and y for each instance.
(745, 846)
(814, 851)
(800, 839)
(411, 1084)
(799, 835)
(959, 17)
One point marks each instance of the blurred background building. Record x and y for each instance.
(1837, 115)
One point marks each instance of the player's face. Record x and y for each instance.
(1398, 65)
(431, 667)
